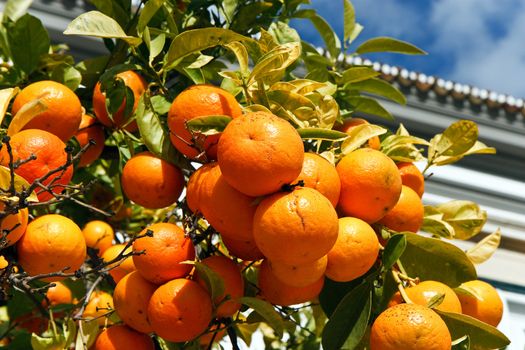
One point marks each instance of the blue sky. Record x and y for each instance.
(476, 42)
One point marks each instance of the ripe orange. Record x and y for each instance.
(318, 173)
(300, 275)
(14, 225)
(196, 184)
(423, 293)
(351, 123)
(229, 211)
(50, 154)
(279, 293)
(354, 252)
(407, 214)
(120, 337)
(163, 253)
(259, 153)
(412, 177)
(180, 310)
(230, 273)
(488, 309)
(59, 294)
(246, 249)
(407, 327)
(137, 84)
(131, 298)
(51, 243)
(98, 235)
(151, 182)
(295, 227)
(370, 184)
(121, 268)
(99, 307)
(64, 111)
(199, 101)
(90, 130)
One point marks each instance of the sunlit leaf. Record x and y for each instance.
(209, 125)
(241, 53)
(465, 217)
(485, 248)
(25, 114)
(14, 9)
(436, 254)
(5, 97)
(379, 87)
(385, 44)
(481, 334)
(20, 184)
(456, 140)
(321, 134)
(462, 343)
(275, 61)
(97, 24)
(349, 21)
(283, 33)
(330, 38)
(359, 134)
(146, 14)
(467, 290)
(434, 223)
(86, 334)
(436, 300)
(358, 73)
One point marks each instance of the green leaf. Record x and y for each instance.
(349, 21)
(436, 300)
(209, 125)
(266, 310)
(485, 248)
(369, 106)
(146, 14)
(477, 148)
(433, 259)
(154, 134)
(155, 46)
(330, 38)
(455, 141)
(213, 280)
(434, 223)
(358, 73)
(97, 24)
(195, 40)
(283, 33)
(393, 250)
(275, 61)
(86, 334)
(14, 9)
(67, 75)
(385, 44)
(321, 134)
(462, 343)
(469, 291)
(28, 41)
(5, 97)
(359, 135)
(379, 87)
(465, 217)
(348, 323)
(481, 334)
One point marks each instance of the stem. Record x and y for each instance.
(401, 288)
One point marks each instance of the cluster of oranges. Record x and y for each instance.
(298, 215)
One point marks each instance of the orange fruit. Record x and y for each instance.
(50, 154)
(407, 214)
(303, 220)
(279, 293)
(99, 307)
(259, 153)
(98, 235)
(370, 184)
(14, 225)
(137, 85)
(230, 273)
(151, 182)
(120, 337)
(180, 310)
(131, 297)
(243, 249)
(64, 111)
(354, 252)
(412, 177)
(58, 294)
(199, 101)
(318, 173)
(407, 327)
(121, 268)
(229, 211)
(423, 293)
(163, 253)
(299, 275)
(488, 309)
(195, 185)
(351, 123)
(90, 130)
(51, 243)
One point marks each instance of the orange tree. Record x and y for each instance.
(215, 181)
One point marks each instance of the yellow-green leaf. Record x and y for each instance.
(209, 125)
(321, 134)
(434, 223)
(26, 114)
(456, 140)
(5, 97)
(385, 44)
(466, 290)
(20, 185)
(369, 106)
(358, 73)
(484, 249)
(359, 135)
(379, 87)
(275, 61)
(466, 217)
